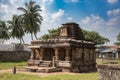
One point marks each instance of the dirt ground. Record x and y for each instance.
(34, 73)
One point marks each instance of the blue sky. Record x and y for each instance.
(102, 16)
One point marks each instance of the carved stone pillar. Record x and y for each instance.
(56, 54)
(32, 56)
(53, 61)
(80, 52)
(91, 55)
(67, 57)
(94, 55)
(41, 54)
(117, 55)
(88, 54)
(73, 54)
(37, 54)
(85, 55)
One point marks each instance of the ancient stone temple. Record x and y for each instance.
(69, 51)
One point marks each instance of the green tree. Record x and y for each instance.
(95, 36)
(106, 40)
(45, 37)
(118, 37)
(117, 43)
(118, 40)
(89, 35)
(51, 33)
(16, 26)
(31, 18)
(4, 30)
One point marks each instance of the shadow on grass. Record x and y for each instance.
(18, 61)
(10, 64)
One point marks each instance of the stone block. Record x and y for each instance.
(109, 72)
(64, 64)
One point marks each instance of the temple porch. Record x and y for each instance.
(64, 58)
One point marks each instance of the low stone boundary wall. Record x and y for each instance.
(14, 47)
(109, 72)
(14, 55)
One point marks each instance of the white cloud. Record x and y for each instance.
(92, 21)
(95, 21)
(113, 12)
(113, 22)
(114, 17)
(74, 1)
(3, 8)
(57, 15)
(13, 1)
(107, 28)
(10, 8)
(69, 18)
(112, 1)
(47, 1)
(50, 19)
(86, 20)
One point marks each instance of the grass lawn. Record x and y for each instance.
(81, 76)
(106, 61)
(19, 76)
(8, 65)
(118, 61)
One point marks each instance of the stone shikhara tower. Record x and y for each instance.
(68, 51)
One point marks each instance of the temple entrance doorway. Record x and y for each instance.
(62, 54)
(48, 54)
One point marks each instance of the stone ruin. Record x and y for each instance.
(69, 51)
(109, 72)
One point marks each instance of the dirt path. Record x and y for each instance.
(5, 71)
(34, 73)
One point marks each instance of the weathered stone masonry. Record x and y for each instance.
(14, 55)
(109, 72)
(69, 51)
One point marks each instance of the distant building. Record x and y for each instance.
(2, 41)
(14, 47)
(108, 52)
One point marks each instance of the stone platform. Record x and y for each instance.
(41, 69)
(109, 72)
(69, 50)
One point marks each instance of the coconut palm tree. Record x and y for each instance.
(31, 18)
(4, 30)
(16, 26)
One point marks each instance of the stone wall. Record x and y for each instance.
(109, 72)
(14, 47)
(14, 55)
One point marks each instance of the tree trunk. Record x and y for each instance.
(20, 41)
(23, 40)
(35, 36)
(31, 36)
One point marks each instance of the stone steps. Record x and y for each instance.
(41, 69)
(33, 62)
(45, 64)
